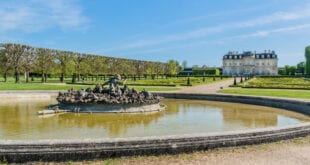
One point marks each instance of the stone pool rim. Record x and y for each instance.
(85, 149)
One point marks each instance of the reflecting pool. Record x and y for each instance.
(19, 120)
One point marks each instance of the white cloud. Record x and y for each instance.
(279, 16)
(198, 33)
(265, 33)
(36, 15)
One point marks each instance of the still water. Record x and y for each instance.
(19, 120)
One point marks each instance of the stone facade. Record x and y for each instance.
(250, 63)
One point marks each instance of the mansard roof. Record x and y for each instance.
(254, 54)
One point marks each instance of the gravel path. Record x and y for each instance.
(208, 88)
(290, 152)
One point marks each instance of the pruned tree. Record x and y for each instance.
(29, 59)
(63, 59)
(5, 62)
(15, 53)
(45, 62)
(78, 58)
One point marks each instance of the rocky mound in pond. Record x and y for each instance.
(102, 95)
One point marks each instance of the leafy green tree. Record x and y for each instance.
(307, 54)
(29, 59)
(301, 67)
(5, 61)
(63, 59)
(287, 69)
(78, 58)
(45, 62)
(15, 54)
(173, 67)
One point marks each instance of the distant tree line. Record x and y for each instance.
(299, 69)
(18, 59)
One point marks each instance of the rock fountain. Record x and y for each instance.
(101, 100)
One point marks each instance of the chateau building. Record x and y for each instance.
(250, 63)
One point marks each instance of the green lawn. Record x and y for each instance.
(59, 86)
(37, 86)
(139, 82)
(277, 82)
(303, 94)
(176, 81)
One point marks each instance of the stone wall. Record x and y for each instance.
(288, 104)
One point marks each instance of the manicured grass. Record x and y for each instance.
(59, 86)
(38, 86)
(155, 88)
(166, 82)
(303, 94)
(277, 82)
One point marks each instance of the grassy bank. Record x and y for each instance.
(302, 94)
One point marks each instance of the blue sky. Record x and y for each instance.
(198, 31)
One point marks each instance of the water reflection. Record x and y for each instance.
(18, 120)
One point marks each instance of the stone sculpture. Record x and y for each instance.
(112, 95)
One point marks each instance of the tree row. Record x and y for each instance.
(18, 59)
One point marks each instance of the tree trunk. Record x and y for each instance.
(42, 77)
(79, 77)
(5, 77)
(62, 78)
(27, 77)
(73, 78)
(45, 78)
(17, 76)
